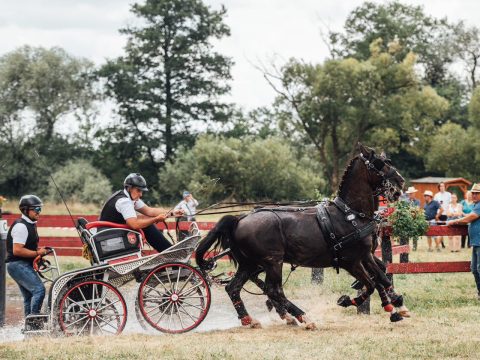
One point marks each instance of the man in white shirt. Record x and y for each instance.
(188, 205)
(444, 198)
(22, 249)
(122, 207)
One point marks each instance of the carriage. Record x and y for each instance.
(172, 295)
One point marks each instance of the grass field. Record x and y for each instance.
(444, 325)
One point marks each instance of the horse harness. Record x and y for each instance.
(335, 243)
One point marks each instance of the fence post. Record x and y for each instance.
(317, 276)
(3, 273)
(404, 256)
(387, 252)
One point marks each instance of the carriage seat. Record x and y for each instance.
(110, 240)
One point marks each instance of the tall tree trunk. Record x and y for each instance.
(169, 104)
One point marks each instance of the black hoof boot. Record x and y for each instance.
(395, 317)
(344, 301)
(357, 285)
(398, 301)
(269, 305)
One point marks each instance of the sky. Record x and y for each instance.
(262, 31)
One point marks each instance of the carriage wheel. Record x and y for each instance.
(92, 307)
(174, 298)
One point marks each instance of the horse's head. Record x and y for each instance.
(384, 177)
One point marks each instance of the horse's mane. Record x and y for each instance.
(346, 172)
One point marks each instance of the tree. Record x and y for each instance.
(45, 85)
(430, 38)
(453, 152)
(379, 101)
(170, 78)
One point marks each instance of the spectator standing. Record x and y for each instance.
(473, 219)
(467, 205)
(454, 211)
(444, 198)
(433, 210)
(411, 199)
(189, 207)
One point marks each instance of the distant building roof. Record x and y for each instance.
(436, 180)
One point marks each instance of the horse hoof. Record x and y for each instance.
(404, 313)
(395, 317)
(290, 320)
(311, 326)
(344, 301)
(255, 324)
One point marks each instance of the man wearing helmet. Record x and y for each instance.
(22, 249)
(122, 206)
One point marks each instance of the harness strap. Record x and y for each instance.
(328, 231)
(280, 209)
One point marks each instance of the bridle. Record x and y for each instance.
(376, 164)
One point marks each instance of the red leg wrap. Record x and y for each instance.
(388, 308)
(300, 318)
(354, 302)
(246, 320)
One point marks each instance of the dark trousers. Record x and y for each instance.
(156, 238)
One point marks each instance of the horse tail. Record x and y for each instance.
(221, 237)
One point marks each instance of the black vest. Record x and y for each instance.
(31, 244)
(109, 212)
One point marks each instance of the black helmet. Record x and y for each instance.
(28, 202)
(135, 180)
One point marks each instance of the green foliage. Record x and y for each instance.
(168, 82)
(379, 101)
(80, 181)
(43, 85)
(217, 168)
(452, 152)
(402, 28)
(408, 222)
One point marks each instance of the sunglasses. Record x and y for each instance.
(37, 209)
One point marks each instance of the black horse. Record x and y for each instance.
(339, 234)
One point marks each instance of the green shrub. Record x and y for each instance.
(248, 169)
(408, 221)
(79, 181)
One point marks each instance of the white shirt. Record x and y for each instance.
(20, 232)
(127, 207)
(444, 199)
(189, 208)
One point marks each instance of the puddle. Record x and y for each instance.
(221, 315)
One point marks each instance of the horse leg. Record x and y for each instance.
(274, 290)
(397, 299)
(379, 279)
(233, 290)
(292, 309)
(358, 272)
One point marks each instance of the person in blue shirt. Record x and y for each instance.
(473, 221)
(468, 205)
(433, 210)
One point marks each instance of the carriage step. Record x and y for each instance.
(36, 324)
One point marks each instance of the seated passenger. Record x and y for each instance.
(121, 208)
